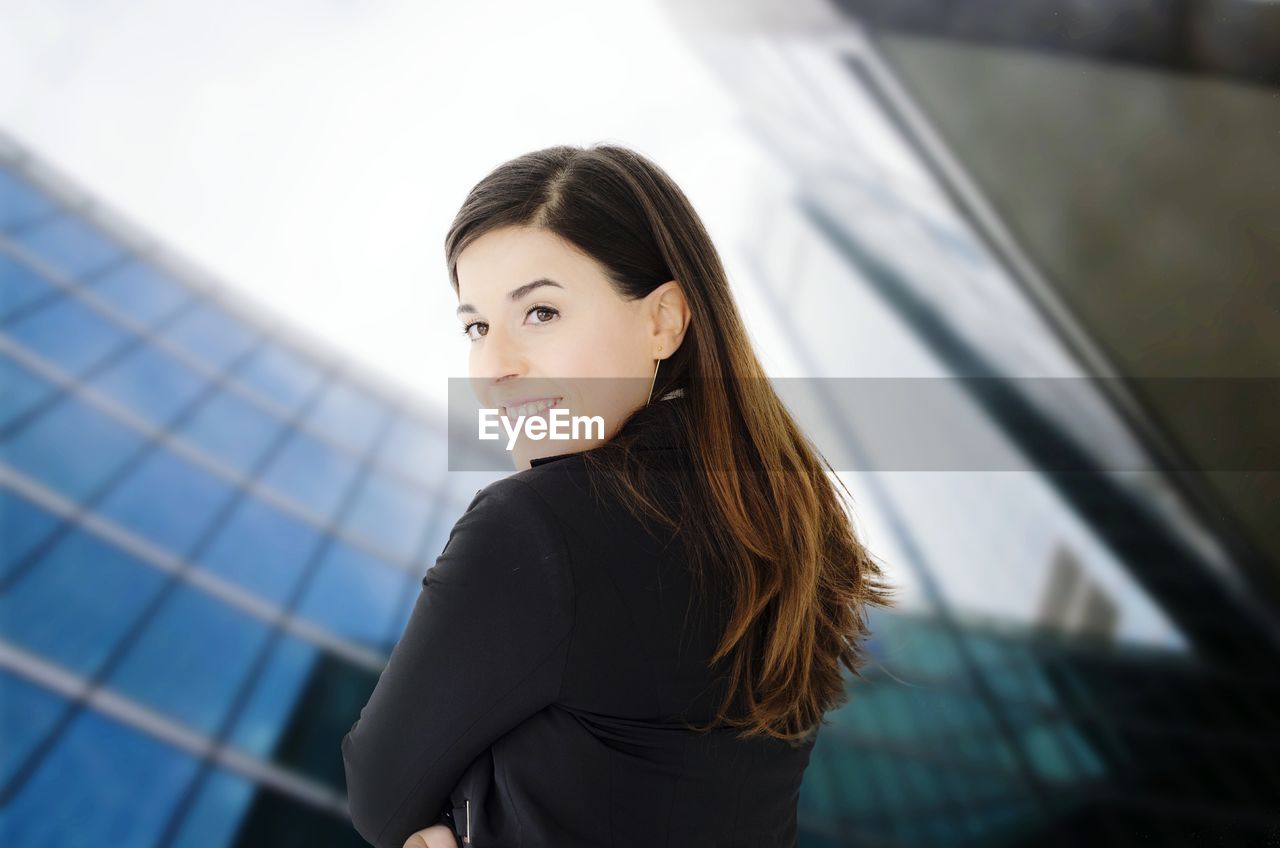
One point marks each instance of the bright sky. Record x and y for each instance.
(313, 153)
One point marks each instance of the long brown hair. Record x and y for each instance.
(770, 523)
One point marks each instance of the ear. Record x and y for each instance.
(668, 313)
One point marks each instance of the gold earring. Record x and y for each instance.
(656, 363)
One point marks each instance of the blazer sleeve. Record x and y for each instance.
(484, 649)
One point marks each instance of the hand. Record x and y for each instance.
(436, 836)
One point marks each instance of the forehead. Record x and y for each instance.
(500, 260)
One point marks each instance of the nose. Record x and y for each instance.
(497, 360)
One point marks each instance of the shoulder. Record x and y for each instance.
(520, 500)
(560, 485)
(507, 525)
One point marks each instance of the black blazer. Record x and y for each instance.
(538, 691)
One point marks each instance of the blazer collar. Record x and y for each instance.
(542, 460)
(656, 438)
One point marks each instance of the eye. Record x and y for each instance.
(540, 308)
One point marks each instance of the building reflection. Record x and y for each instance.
(1070, 195)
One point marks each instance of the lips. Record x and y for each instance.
(555, 401)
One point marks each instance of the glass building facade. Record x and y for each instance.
(214, 528)
(1033, 196)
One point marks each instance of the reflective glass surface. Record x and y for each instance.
(72, 447)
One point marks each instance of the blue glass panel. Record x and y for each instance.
(191, 658)
(232, 429)
(416, 450)
(168, 499)
(72, 447)
(275, 701)
(90, 790)
(261, 549)
(211, 334)
(988, 650)
(389, 513)
(347, 415)
(78, 600)
(20, 389)
(27, 713)
(276, 372)
(856, 783)
(20, 201)
(151, 383)
(140, 291)
(1048, 753)
(22, 526)
(311, 473)
(20, 284)
(69, 334)
(71, 246)
(215, 816)
(353, 594)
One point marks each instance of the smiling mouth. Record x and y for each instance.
(531, 408)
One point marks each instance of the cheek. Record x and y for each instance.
(596, 350)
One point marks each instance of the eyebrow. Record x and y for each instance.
(515, 294)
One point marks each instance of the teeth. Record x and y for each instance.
(527, 409)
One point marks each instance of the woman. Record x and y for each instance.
(633, 639)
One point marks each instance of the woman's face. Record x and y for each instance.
(544, 323)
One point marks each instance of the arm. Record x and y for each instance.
(484, 649)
